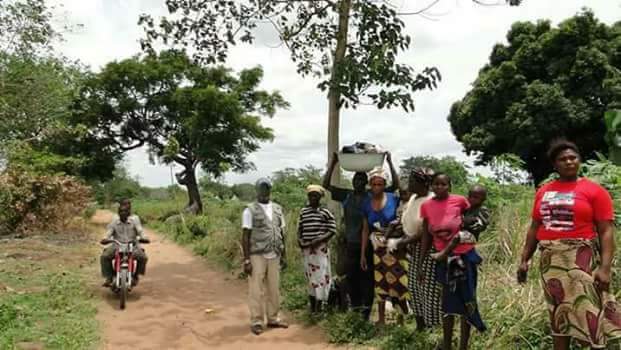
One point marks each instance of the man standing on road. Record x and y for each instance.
(263, 242)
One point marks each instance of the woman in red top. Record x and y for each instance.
(569, 215)
(442, 220)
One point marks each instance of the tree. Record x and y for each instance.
(183, 112)
(351, 46)
(37, 89)
(121, 186)
(456, 170)
(25, 28)
(36, 127)
(244, 192)
(216, 188)
(544, 83)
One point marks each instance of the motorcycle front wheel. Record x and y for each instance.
(123, 289)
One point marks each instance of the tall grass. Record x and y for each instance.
(516, 315)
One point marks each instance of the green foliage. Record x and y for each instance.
(45, 298)
(36, 95)
(38, 161)
(26, 28)
(289, 185)
(516, 315)
(35, 128)
(508, 168)
(121, 186)
(369, 72)
(405, 338)
(546, 82)
(218, 189)
(294, 282)
(348, 328)
(154, 210)
(244, 192)
(613, 134)
(458, 171)
(604, 172)
(61, 317)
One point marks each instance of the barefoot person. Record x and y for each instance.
(568, 217)
(315, 229)
(476, 220)
(263, 243)
(360, 285)
(125, 227)
(390, 264)
(442, 217)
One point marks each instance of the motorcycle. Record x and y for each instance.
(124, 268)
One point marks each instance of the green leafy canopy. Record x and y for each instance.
(546, 82)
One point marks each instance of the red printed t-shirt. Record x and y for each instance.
(445, 215)
(570, 209)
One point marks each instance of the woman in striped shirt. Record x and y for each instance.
(316, 226)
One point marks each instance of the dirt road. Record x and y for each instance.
(168, 309)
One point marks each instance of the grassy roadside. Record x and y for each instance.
(46, 301)
(516, 316)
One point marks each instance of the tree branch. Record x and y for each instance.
(308, 20)
(421, 11)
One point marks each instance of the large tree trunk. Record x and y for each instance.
(334, 109)
(334, 97)
(187, 178)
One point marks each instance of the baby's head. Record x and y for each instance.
(404, 194)
(477, 196)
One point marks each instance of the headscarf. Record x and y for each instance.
(377, 172)
(315, 188)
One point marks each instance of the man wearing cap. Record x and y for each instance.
(263, 242)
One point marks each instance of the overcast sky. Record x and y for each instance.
(458, 43)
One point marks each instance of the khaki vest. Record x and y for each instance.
(266, 235)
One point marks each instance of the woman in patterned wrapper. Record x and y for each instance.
(316, 226)
(426, 293)
(569, 215)
(390, 262)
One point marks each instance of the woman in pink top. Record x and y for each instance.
(442, 217)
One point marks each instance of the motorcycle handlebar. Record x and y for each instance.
(108, 241)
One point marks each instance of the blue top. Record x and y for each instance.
(384, 216)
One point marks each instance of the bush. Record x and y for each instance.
(120, 187)
(30, 202)
(348, 328)
(516, 315)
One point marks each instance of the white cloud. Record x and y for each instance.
(458, 43)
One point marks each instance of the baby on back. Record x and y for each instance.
(474, 221)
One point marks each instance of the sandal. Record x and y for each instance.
(257, 329)
(277, 324)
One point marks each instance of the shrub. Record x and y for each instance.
(30, 202)
(120, 187)
(348, 328)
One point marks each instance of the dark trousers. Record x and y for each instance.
(108, 255)
(360, 284)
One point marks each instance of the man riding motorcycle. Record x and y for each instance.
(124, 228)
